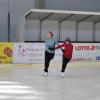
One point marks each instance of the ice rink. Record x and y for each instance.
(25, 82)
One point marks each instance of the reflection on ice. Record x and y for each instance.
(18, 91)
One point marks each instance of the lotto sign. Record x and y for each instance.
(86, 52)
(6, 53)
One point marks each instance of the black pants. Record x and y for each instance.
(64, 63)
(48, 58)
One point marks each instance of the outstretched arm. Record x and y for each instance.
(59, 46)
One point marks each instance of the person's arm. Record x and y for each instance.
(60, 46)
(51, 48)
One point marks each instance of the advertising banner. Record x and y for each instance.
(34, 53)
(86, 52)
(28, 53)
(6, 50)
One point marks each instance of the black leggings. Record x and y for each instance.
(64, 63)
(48, 58)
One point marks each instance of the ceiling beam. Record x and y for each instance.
(97, 21)
(83, 19)
(46, 17)
(66, 18)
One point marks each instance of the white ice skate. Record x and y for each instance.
(45, 74)
(62, 74)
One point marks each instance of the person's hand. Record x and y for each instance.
(51, 48)
(63, 50)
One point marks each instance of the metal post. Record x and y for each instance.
(77, 31)
(8, 23)
(93, 32)
(59, 33)
(40, 32)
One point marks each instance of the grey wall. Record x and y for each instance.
(19, 7)
(83, 5)
(3, 20)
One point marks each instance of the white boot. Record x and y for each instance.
(45, 74)
(62, 74)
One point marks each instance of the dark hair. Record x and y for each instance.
(51, 33)
(68, 39)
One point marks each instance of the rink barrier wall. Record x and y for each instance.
(33, 53)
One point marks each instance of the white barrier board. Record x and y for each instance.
(34, 52)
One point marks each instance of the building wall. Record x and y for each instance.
(81, 5)
(19, 7)
(3, 20)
